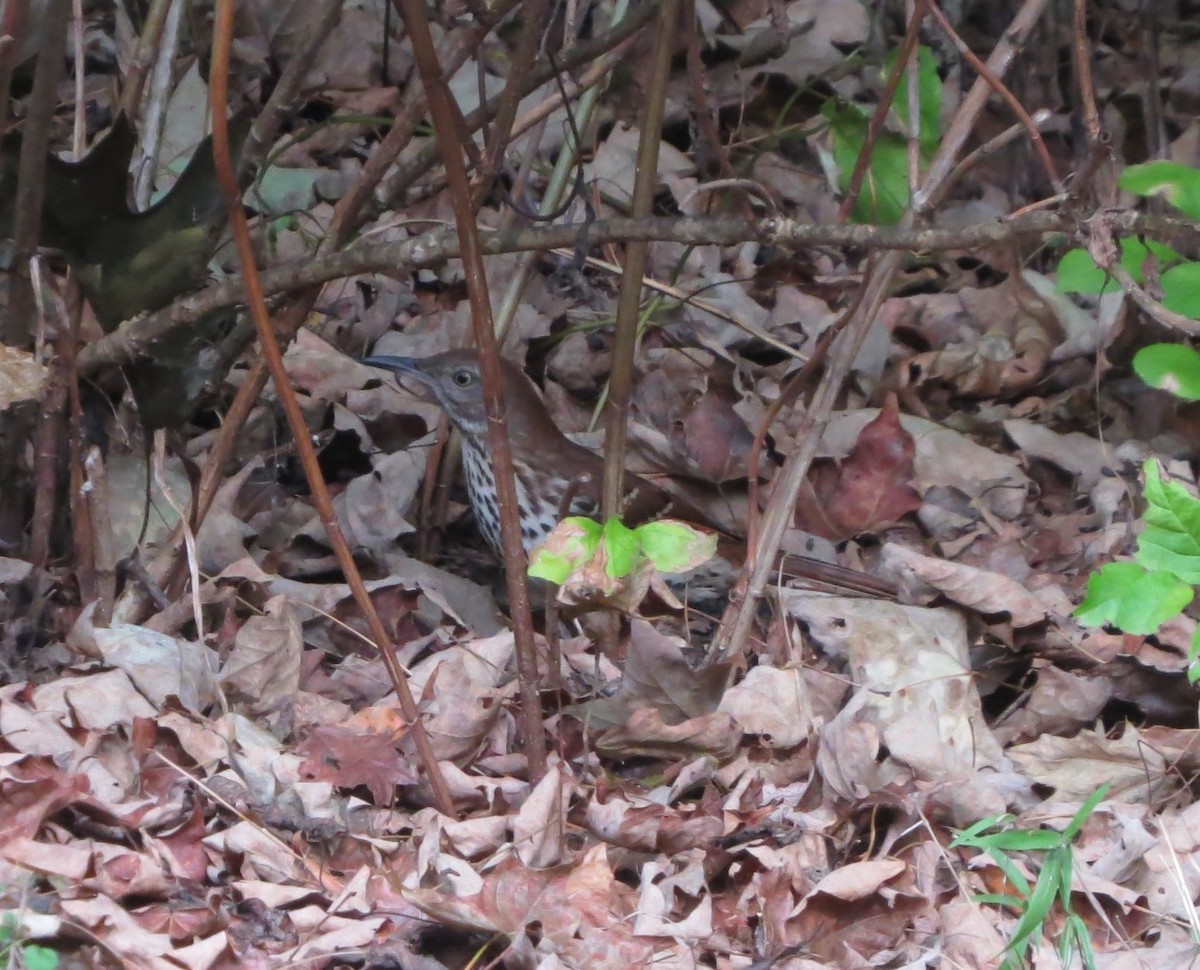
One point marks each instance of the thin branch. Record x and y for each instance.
(443, 110)
(875, 127)
(222, 39)
(31, 168)
(135, 337)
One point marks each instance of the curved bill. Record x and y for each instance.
(400, 366)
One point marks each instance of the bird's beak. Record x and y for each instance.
(400, 366)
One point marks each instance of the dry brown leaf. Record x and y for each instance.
(871, 489)
(773, 704)
(21, 376)
(347, 759)
(985, 592)
(262, 673)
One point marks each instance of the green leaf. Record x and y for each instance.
(576, 540)
(1023, 840)
(1193, 671)
(1014, 875)
(1078, 272)
(550, 566)
(1130, 597)
(1170, 367)
(592, 532)
(36, 957)
(1085, 812)
(621, 544)
(1037, 906)
(674, 547)
(929, 90)
(1170, 541)
(884, 193)
(1181, 289)
(1179, 184)
(1076, 935)
(970, 836)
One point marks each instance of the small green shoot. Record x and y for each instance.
(1139, 596)
(614, 565)
(1035, 903)
(1180, 278)
(669, 546)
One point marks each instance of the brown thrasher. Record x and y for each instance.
(548, 463)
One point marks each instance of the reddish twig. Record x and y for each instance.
(443, 111)
(31, 169)
(1014, 104)
(48, 437)
(534, 13)
(222, 40)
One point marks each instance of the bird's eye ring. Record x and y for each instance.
(464, 378)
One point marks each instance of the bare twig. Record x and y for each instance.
(1099, 150)
(993, 81)
(48, 436)
(283, 97)
(534, 14)
(143, 57)
(620, 381)
(620, 378)
(350, 208)
(875, 127)
(442, 110)
(703, 112)
(133, 337)
(544, 71)
(154, 120)
(99, 509)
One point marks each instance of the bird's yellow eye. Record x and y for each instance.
(464, 378)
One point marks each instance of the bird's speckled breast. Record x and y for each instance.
(537, 499)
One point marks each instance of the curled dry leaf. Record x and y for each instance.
(539, 830)
(1016, 330)
(914, 699)
(262, 673)
(1075, 767)
(161, 666)
(773, 704)
(944, 459)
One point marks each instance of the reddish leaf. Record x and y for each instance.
(349, 759)
(872, 488)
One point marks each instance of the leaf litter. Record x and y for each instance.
(243, 791)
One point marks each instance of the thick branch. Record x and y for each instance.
(134, 337)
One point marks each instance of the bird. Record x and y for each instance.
(547, 464)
